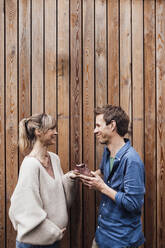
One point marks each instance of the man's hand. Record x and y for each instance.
(95, 182)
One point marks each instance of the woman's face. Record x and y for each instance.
(49, 137)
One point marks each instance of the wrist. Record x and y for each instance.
(103, 188)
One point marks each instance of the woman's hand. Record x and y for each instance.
(63, 230)
(73, 174)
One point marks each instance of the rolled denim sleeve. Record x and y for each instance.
(132, 198)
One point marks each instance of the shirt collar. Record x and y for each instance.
(122, 150)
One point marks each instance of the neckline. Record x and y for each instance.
(43, 166)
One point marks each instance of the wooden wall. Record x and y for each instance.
(66, 57)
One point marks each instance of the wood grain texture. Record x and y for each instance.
(113, 52)
(137, 80)
(160, 77)
(65, 57)
(88, 117)
(100, 53)
(24, 59)
(150, 130)
(24, 62)
(76, 115)
(63, 93)
(100, 73)
(2, 126)
(37, 57)
(11, 112)
(137, 77)
(125, 58)
(50, 60)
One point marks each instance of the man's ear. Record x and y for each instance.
(113, 125)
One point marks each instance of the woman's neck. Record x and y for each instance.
(39, 150)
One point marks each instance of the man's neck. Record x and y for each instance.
(115, 145)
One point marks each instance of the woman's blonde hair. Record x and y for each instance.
(27, 127)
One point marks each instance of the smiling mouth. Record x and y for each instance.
(98, 137)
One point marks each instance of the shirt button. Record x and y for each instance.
(98, 227)
(103, 204)
(100, 215)
(108, 181)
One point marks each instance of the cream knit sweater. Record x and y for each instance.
(39, 202)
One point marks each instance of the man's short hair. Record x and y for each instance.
(116, 113)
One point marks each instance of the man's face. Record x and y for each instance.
(103, 132)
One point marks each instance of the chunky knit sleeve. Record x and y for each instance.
(69, 184)
(70, 187)
(26, 211)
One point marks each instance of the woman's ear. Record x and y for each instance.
(38, 132)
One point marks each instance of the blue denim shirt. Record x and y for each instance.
(119, 221)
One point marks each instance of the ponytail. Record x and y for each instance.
(24, 142)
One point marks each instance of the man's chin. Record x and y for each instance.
(103, 142)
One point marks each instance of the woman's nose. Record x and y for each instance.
(95, 130)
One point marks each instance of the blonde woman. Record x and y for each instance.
(43, 193)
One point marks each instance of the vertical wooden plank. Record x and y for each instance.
(11, 111)
(100, 72)
(2, 138)
(137, 76)
(100, 52)
(24, 61)
(125, 56)
(37, 56)
(63, 91)
(113, 52)
(160, 72)
(76, 114)
(150, 131)
(63, 82)
(50, 59)
(88, 116)
(24, 58)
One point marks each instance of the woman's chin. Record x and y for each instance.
(51, 143)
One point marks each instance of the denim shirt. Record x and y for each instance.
(119, 221)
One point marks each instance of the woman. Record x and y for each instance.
(43, 193)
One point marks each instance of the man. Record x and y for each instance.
(122, 186)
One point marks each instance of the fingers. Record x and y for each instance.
(93, 173)
(76, 172)
(87, 183)
(63, 229)
(81, 176)
(72, 176)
